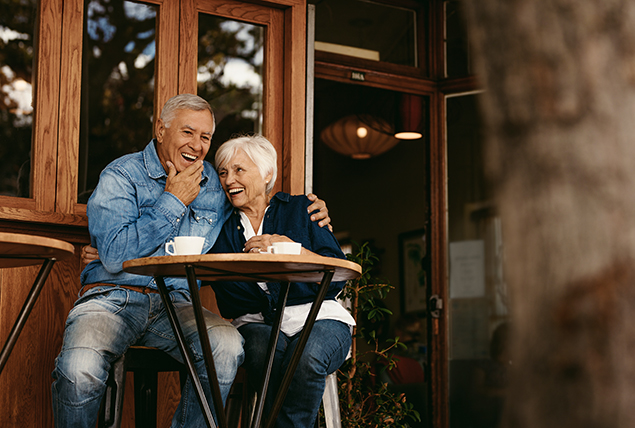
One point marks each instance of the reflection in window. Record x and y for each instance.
(366, 29)
(17, 55)
(117, 85)
(230, 59)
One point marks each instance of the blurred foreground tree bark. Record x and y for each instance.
(559, 109)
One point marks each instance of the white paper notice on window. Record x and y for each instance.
(467, 269)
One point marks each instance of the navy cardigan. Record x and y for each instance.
(287, 215)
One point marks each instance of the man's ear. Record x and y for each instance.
(159, 130)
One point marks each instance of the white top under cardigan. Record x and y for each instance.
(294, 316)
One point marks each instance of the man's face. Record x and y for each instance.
(187, 139)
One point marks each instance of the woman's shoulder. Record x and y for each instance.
(283, 198)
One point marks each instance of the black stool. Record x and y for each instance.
(145, 363)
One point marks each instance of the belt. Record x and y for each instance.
(137, 288)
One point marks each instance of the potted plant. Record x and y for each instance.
(364, 400)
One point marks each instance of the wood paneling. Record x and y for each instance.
(25, 397)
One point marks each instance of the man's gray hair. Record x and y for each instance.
(260, 151)
(184, 102)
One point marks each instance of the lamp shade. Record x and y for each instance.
(357, 137)
(409, 123)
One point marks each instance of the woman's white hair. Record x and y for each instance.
(260, 151)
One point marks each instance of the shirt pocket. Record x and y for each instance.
(202, 221)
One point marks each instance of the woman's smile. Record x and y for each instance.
(242, 182)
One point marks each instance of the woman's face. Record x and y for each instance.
(242, 182)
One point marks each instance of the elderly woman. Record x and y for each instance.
(247, 170)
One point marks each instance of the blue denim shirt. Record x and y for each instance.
(130, 215)
(287, 215)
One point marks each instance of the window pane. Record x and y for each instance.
(457, 53)
(367, 30)
(17, 56)
(230, 56)
(117, 85)
(478, 305)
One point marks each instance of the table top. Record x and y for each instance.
(247, 267)
(17, 249)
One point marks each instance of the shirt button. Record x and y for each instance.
(178, 219)
(198, 218)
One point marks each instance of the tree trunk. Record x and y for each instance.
(559, 109)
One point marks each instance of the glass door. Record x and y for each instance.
(477, 297)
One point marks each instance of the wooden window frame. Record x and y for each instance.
(55, 142)
(284, 72)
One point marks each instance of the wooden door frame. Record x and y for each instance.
(437, 87)
(284, 74)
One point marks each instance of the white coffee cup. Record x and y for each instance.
(285, 248)
(185, 245)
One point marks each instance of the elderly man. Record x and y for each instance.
(143, 200)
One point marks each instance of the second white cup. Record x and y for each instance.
(285, 248)
(185, 245)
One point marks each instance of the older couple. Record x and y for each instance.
(143, 200)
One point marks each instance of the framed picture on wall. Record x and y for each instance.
(412, 270)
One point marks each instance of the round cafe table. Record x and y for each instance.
(283, 268)
(18, 250)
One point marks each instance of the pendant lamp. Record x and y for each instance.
(409, 121)
(357, 136)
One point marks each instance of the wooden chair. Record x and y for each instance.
(145, 363)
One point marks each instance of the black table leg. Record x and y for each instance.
(207, 349)
(297, 353)
(25, 311)
(185, 352)
(273, 340)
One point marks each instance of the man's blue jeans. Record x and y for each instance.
(324, 353)
(104, 322)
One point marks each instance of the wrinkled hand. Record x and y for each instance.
(323, 212)
(259, 243)
(89, 254)
(186, 184)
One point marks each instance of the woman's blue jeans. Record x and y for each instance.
(104, 322)
(324, 353)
